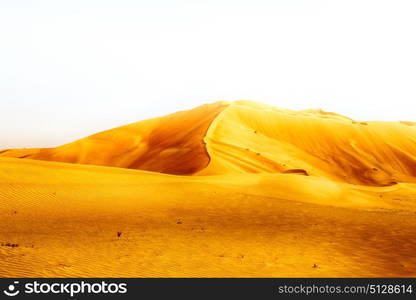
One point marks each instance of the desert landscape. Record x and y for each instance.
(228, 189)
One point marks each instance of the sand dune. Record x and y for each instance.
(274, 193)
(248, 137)
(252, 137)
(172, 144)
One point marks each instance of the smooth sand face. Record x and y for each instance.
(276, 193)
(172, 144)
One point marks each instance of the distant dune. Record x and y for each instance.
(273, 192)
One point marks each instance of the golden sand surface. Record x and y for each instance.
(236, 189)
(172, 144)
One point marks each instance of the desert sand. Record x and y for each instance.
(229, 189)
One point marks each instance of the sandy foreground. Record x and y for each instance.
(244, 190)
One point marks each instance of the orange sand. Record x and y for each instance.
(274, 193)
(160, 144)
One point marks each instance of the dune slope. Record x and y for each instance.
(252, 137)
(171, 144)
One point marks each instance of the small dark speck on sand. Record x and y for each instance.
(119, 234)
(315, 266)
(10, 245)
(179, 222)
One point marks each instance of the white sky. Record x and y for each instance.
(72, 68)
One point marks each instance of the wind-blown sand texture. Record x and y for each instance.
(236, 189)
